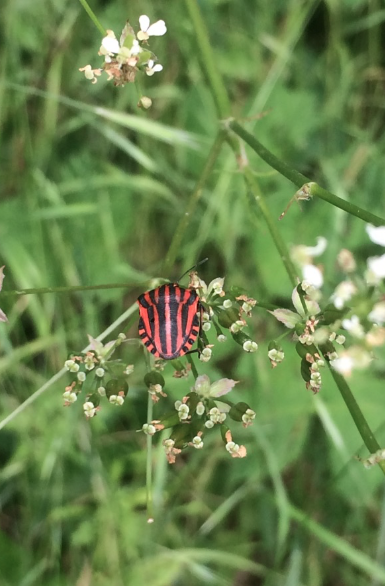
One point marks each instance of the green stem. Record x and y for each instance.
(275, 234)
(92, 16)
(193, 367)
(356, 413)
(311, 188)
(194, 198)
(150, 510)
(72, 289)
(208, 60)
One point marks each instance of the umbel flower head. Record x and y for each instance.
(125, 57)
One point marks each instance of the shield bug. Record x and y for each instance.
(169, 319)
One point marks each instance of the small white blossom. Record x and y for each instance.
(353, 326)
(129, 369)
(376, 234)
(235, 450)
(227, 303)
(313, 275)
(90, 73)
(102, 391)
(221, 338)
(340, 339)
(99, 372)
(200, 408)
(147, 30)
(197, 442)
(152, 68)
(377, 315)
(216, 415)
(206, 326)
(209, 424)
(248, 417)
(89, 409)
(217, 389)
(354, 357)
(346, 261)
(250, 346)
(205, 355)
(71, 365)
(81, 376)
(183, 412)
(237, 326)
(276, 355)
(89, 361)
(376, 269)
(116, 400)
(343, 293)
(148, 429)
(69, 397)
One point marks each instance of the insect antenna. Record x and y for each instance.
(193, 267)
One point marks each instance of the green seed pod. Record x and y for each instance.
(238, 410)
(170, 419)
(116, 386)
(181, 434)
(305, 370)
(240, 337)
(299, 328)
(227, 317)
(177, 365)
(303, 349)
(94, 398)
(328, 347)
(154, 378)
(193, 400)
(330, 314)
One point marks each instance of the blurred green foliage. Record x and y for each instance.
(91, 191)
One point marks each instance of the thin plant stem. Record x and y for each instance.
(272, 226)
(193, 367)
(92, 16)
(208, 60)
(312, 189)
(70, 289)
(63, 371)
(150, 508)
(194, 198)
(357, 415)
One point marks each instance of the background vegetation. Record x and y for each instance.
(89, 200)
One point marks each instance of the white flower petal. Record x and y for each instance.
(222, 387)
(376, 265)
(157, 29)
(376, 234)
(111, 45)
(313, 274)
(144, 22)
(319, 248)
(287, 317)
(157, 67)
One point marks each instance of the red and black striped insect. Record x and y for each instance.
(169, 320)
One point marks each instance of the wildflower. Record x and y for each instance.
(71, 365)
(346, 261)
(183, 412)
(250, 346)
(343, 293)
(90, 73)
(216, 416)
(116, 400)
(99, 372)
(354, 357)
(373, 459)
(89, 361)
(227, 303)
(155, 391)
(152, 68)
(200, 408)
(221, 338)
(147, 30)
(353, 326)
(129, 369)
(102, 391)
(275, 356)
(205, 355)
(197, 442)
(69, 397)
(145, 103)
(234, 449)
(376, 234)
(376, 269)
(89, 409)
(215, 287)
(148, 429)
(303, 256)
(218, 389)
(171, 450)
(248, 417)
(81, 376)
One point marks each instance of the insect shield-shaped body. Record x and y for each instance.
(169, 322)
